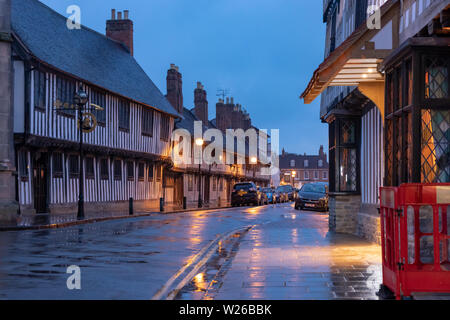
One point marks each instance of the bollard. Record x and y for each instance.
(130, 207)
(184, 203)
(219, 202)
(161, 204)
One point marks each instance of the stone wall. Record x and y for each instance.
(343, 213)
(368, 227)
(347, 215)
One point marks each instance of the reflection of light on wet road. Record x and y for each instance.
(200, 283)
(196, 228)
(254, 210)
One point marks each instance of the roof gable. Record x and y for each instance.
(84, 53)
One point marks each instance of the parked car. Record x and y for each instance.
(282, 194)
(270, 195)
(263, 199)
(245, 193)
(313, 196)
(290, 191)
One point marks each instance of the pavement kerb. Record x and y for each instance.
(94, 220)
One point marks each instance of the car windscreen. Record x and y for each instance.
(244, 186)
(317, 188)
(267, 190)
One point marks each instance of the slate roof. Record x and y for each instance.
(313, 161)
(85, 54)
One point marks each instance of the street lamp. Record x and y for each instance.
(199, 142)
(80, 99)
(254, 161)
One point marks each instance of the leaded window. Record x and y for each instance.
(165, 127)
(74, 168)
(104, 169)
(150, 171)
(141, 171)
(118, 170)
(436, 77)
(417, 134)
(65, 91)
(58, 167)
(435, 146)
(130, 170)
(90, 173)
(147, 122)
(124, 115)
(344, 153)
(39, 90)
(99, 99)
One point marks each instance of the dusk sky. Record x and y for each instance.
(263, 51)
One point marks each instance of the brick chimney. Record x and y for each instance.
(120, 29)
(175, 88)
(201, 103)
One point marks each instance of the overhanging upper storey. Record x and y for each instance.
(356, 61)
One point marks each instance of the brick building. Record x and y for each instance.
(298, 170)
(231, 116)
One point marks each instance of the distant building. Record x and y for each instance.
(298, 170)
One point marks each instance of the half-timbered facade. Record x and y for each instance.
(127, 151)
(384, 95)
(213, 183)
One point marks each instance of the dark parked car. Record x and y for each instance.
(245, 193)
(283, 197)
(288, 192)
(313, 196)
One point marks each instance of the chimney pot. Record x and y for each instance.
(228, 100)
(120, 30)
(126, 13)
(232, 100)
(199, 85)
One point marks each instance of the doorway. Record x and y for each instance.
(40, 171)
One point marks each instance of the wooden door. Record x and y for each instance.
(206, 189)
(40, 171)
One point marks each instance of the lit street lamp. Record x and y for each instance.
(80, 99)
(254, 161)
(199, 142)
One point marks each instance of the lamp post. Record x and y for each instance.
(80, 99)
(199, 142)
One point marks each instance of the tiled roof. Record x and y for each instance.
(84, 53)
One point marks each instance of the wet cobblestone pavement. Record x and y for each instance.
(287, 255)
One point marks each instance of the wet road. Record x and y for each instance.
(124, 259)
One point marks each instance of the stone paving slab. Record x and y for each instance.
(297, 258)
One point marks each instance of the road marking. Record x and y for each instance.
(205, 254)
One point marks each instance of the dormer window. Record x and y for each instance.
(292, 163)
(306, 163)
(320, 163)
